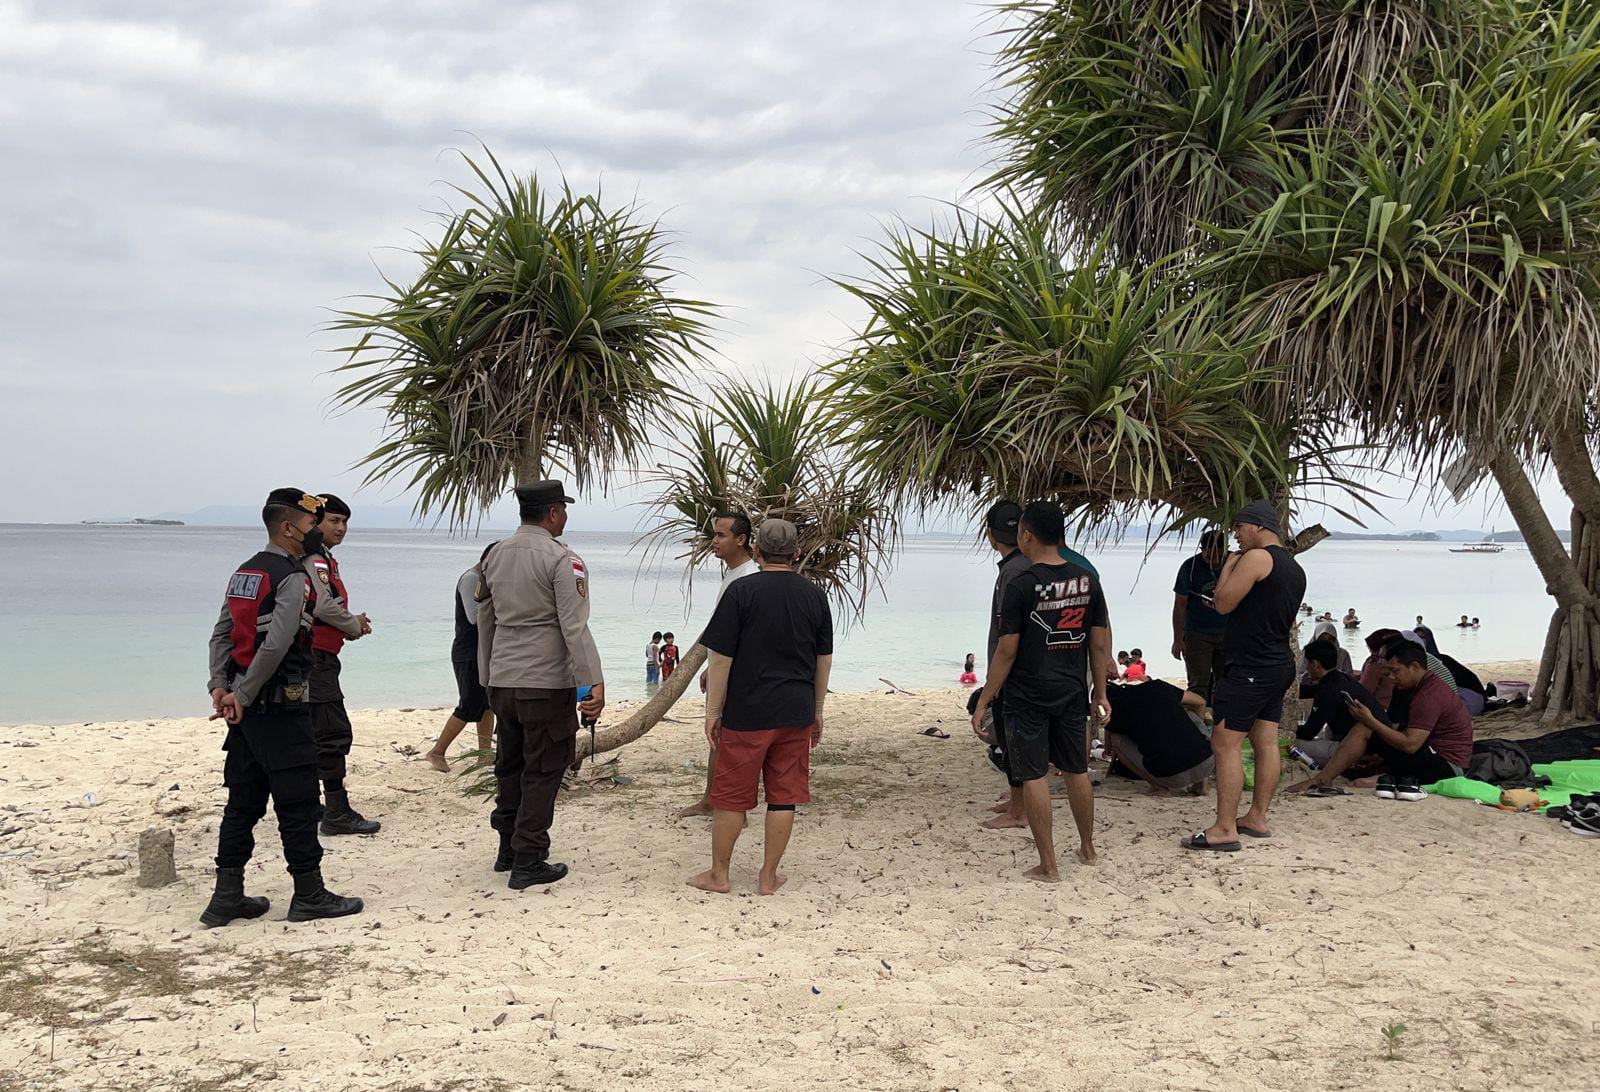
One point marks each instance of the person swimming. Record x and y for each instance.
(969, 672)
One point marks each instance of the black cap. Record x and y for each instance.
(541, 493)
(333, 505)
(290, 497)
(1259, 513)
(1001, 519)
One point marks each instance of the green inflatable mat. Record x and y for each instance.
(1580, 775)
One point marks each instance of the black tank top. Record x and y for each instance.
(1258, 628)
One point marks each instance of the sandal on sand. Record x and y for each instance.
(1253, 832)
(934, 733)
(1198, 840)
(1327, 790)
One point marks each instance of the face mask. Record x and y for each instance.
(312, 541)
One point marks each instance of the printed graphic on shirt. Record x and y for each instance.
(1062, 610)
(245, 585)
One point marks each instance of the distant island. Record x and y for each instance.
(1410, 536)
(132, 522)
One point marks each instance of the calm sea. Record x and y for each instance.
(102, 623)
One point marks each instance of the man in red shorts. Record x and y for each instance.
(771, 647)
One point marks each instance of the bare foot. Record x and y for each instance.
(765, 886)
(437, 762)
(1089, 857)
(1365, 782)
(1156, 790)
(1043, 875)
(705, 882)
(1003, 822)
(699, 807)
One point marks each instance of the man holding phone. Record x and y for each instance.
(1333, 693)
(1197, 627)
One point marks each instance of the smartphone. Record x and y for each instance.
(1349, 697)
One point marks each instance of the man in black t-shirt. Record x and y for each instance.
(771, 648)
(1259, 591)
(1053, 622)
(1158, 735)
(1000, 527)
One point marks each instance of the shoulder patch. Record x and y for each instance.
(245, 584)
(322, 570)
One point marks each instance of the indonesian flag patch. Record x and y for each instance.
(580, 574)
(322, 570)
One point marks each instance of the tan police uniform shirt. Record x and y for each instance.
(533, 615)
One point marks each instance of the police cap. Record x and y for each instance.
(333, 506)
(290, 497)
(539, 494)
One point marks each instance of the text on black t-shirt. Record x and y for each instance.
(1051, 608)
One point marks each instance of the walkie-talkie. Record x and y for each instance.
(588, 722)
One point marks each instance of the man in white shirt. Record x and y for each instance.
(730, 541)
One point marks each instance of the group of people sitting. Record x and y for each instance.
(1403, 721)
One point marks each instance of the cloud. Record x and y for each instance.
(191, 187)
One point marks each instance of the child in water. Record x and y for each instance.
(969, 673)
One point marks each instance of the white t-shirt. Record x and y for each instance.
(467, 589)
(735, 573)
(651, 653)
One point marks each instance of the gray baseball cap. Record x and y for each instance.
(777, 537)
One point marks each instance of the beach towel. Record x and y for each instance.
(1566, 778)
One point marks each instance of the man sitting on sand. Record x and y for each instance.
(1053, 622)
(770, 641)
(1158, 733)
(1435, 743)
(1331, 691)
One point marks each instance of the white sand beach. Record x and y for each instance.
(906, 952)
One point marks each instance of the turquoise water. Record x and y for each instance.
(102, 623)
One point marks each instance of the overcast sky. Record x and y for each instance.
(188, 190)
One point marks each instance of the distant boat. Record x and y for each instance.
(1487, 546)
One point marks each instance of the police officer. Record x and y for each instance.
(534, 650)
(260, 666)
(332, 625)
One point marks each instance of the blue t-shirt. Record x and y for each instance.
(1195, 579)
(1071, 556)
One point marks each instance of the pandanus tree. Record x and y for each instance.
(993, 365)
(771, 452)
(534, 339)
(1396, 204)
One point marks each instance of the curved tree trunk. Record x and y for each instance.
(648, 715)
(1566, 685)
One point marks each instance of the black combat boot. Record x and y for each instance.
(229, 901)
(312, 900)
(506, 857)
(340, 818)
(527, 872)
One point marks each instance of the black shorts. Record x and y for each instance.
(1245, 695)
(472, 701)
(1039, 736)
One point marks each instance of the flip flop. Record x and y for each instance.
(1199, 841)
(934, 733)
(1327, 790)
(1253, 832)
